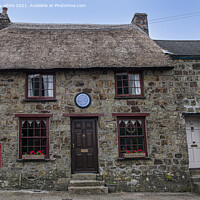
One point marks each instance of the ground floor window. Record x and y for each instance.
(34, 136)
(132, 138)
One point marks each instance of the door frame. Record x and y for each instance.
(190, 119)
(96, 141)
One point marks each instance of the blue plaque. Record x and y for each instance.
(83, 100)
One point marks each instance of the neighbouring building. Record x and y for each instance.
(103, 102)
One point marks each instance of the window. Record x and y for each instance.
(34, 136)
(129, 84)
(132, 137)
(40, 86)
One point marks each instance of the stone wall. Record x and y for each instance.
(164, 93)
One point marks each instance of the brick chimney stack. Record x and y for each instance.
(4, 19)
(140, 19)
(5, 10)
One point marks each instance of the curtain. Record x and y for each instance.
(134, 83)
(31, 84)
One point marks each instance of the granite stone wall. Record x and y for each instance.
(168, 93)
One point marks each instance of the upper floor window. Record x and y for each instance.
(40, 86)
(129, 84)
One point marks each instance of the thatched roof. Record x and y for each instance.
(49, 46)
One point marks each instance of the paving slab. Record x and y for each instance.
(58, 195)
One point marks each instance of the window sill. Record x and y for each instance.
(40, 100)
(134, 158)
(130, 98)
(38, 160)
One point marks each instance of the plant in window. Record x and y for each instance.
(33, 155)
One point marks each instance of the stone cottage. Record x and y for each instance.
(85, 105)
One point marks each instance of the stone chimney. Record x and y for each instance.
(140, 19)
(4, 19)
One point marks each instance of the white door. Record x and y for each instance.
(193, 140)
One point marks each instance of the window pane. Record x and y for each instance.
(24, 150)
(36, 85)
(24, 142)
(37, 142)
(132, 84)
(137, 77)
(24, 132)
(138, 91)
(37, 132)
(24, 124)
(128, 141)
(141, 147)
(50, 78)
(119, 77)
(50, 86)
(131, 77)
(125, 83)
(125, 76)
(134, 141)
(122, 131)
(43, 142)
(140, 131)
(119, 83)
(30, 132)
(43, 150)
(122, 123)
(50, 93)
(43, 124)
(137, 84)
(37, 123)
(43, 132)
(126, 90)
(30, 142)
(140, 140)
(132, 91)
(119, 90)
(36, 93)
(122, 141)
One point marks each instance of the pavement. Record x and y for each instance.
(58, 195)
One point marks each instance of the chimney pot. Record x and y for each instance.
(5, 10)
(140, 19)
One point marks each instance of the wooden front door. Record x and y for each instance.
(84, 146)
(193, 140)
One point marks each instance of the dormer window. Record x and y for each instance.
(40, 86)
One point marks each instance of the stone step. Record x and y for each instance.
(82, 183)
(84, 176)
(88, 190)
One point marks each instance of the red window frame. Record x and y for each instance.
(40, 87)
(132, 136)
(34, 137)
(129, 95)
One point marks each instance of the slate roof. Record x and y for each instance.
(51, 46)
(180, 47)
